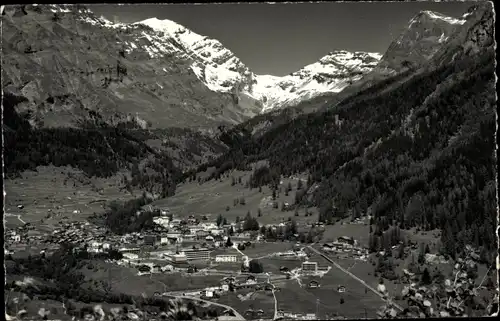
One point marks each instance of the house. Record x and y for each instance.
(284, 269)
(150, 240)
(227, 255)
(313, 284)
(201, 234)
(130, 256)
(174, 238)
(209, 293)
(217, 232)
(309, 267)
(197, 254)
(156, 268)
(341, 289)
(144, 268)
(209, 238)
(167, 268)
(346, 240)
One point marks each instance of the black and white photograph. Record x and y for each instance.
(249, 161)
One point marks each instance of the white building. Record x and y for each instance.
(163, 221)
(209, 226)
(217, 232)
(226, 258)
(131, 256)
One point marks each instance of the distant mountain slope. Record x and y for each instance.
(330, 74)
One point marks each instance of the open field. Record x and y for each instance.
(177, 282)
(359, 232)
(265, 248)
(125, 279)
(297, 299)
(273, 264)
(52, 193)
(213, 197)
(259, 300)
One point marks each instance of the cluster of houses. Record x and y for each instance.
(296, 316)
(291, 255)
(22, 237)
(345, 247)
(179, 259)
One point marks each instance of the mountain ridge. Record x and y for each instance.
(222, 71)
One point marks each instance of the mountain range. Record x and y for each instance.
(147, 72)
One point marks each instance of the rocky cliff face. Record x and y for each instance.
(430, 40)
(427, 32)
(67, 62)
(475, 35)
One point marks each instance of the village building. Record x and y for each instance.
(226, 255)
(131, 256)
(176, 257)
(309, 267)
(201, 234)
(313, 284)
(150, 240)
(346, 240)
(251, 279)
(202, 254)
(217, 232)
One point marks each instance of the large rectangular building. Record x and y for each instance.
(309, 267)
(197, 254)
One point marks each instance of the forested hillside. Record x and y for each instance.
(416, 153)
(96, 148)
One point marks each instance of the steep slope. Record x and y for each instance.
(88, 63)
(419, 152)
(427, 34)
(475, 34)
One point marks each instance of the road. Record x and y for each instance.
(275, 300)
(354, 277)
(239, 316)
(16, 215)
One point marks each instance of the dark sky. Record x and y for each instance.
(278, 39)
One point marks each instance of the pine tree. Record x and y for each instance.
(426, 277)
(421, 254)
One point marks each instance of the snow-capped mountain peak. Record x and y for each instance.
(330, 74)
(222, 71)
(439, 16)
(214, 64)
